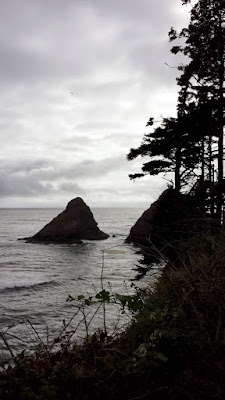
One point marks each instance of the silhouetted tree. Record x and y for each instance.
(202, 79)
(186, 144)
(171, 149)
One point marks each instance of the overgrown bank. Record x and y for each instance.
(174, 347)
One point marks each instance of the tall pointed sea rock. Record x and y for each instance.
(75, 223)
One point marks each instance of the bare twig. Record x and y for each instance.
(6, 344)
(38, 336)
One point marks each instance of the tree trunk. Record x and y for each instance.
(220, 128)
(177, 170)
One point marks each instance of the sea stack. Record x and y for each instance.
(75, 223)
(168, 219)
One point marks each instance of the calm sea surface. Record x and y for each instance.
(36, 279)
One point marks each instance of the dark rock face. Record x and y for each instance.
(169, 218)
(169, 222)
(143, 228)
(75, 223)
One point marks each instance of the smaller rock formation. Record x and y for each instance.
(163, 229)
(169, 218)
(75, 223)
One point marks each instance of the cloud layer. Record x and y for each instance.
(79, 79)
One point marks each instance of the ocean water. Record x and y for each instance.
(36, 279)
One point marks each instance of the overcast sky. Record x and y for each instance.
(79, 80)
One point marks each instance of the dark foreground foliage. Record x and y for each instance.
(174, 347)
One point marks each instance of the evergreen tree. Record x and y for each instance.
(187, 143)
(171, 149)
(202, 79)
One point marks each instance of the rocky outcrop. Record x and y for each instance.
(75, 223)
(170, 218)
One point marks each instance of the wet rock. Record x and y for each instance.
(75, 223)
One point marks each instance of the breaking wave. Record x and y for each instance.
(33, 287)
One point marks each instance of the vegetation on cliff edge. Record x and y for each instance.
(174, 347)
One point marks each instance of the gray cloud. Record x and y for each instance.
(111, 56)
(43, 177)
